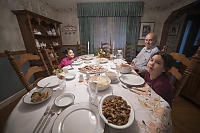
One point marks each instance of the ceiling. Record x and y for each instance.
(161, 4)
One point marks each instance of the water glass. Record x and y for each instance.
(92, 90)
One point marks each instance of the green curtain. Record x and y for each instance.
(86, 31)
(110, 9)
(133, 29)
(86, 11)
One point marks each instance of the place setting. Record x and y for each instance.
(60, 104)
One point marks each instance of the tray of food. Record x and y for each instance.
(92, 69)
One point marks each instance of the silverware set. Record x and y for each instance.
(45, 119)
(133, 89)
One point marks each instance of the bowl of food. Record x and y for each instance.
(112, 76)
(116, 111)
(102, 82)
(37, 95)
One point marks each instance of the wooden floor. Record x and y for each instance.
(185, 116)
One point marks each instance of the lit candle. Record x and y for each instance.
(113, 47)
(88, 47)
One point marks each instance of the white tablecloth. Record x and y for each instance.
(152, 113)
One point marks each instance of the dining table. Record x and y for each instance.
(152, 114)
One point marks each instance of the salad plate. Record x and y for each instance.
(52, 81)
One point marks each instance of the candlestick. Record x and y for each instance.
(88, 47)
(113, 48)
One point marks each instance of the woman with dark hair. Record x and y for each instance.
(156, 78)
(68, 59)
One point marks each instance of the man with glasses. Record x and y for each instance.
(139, 63)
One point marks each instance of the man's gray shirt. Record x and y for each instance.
(143, 57)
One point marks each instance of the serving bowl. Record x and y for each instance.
(102, 82)
(107, 121)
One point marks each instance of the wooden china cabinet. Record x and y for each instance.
(39, 31)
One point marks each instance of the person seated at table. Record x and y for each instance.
(156, 77)
(139, 63)
(68, 59)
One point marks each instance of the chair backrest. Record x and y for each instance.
(130, 52)
(82, 48)
(106, 47)
(51, 58)
(163, 48)
(33, 69)
(178, 70)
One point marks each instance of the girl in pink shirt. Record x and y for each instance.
(68, 59)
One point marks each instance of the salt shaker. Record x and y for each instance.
(81, 78)
(87, 76)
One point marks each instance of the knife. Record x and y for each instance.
(130, 89)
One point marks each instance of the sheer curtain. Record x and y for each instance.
(116, 22)
(111, 30)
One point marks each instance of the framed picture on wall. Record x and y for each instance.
(173, 30)
(145, 28)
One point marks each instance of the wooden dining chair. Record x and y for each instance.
(106, 47)
(82, 48)
(50, 58)
(25, 77)
(130, 52)
(182, 62)
(163, 48)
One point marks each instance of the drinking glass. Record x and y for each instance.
(92, 90)
(118, 65)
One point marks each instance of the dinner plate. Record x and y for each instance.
(69, 67)
(103, 60)
(87, 57)
(70, 75)
(130, 119)
(51, 81)
(77, 62)
(131, 79)
(79, 118)
(27, 96)
(64, 100)
(119, 61)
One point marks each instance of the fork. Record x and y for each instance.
(39, 124)
(50, 114)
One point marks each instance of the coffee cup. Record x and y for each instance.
(125, 68)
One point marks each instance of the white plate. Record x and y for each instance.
(70, 75)
(87, 57)
(64, 100)
(69, 67)
(79, 118)
(27, 97)
(131, 117)
(119, 61)
(103, 60)
(52, 80)
(77, 62)
(131, 79)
